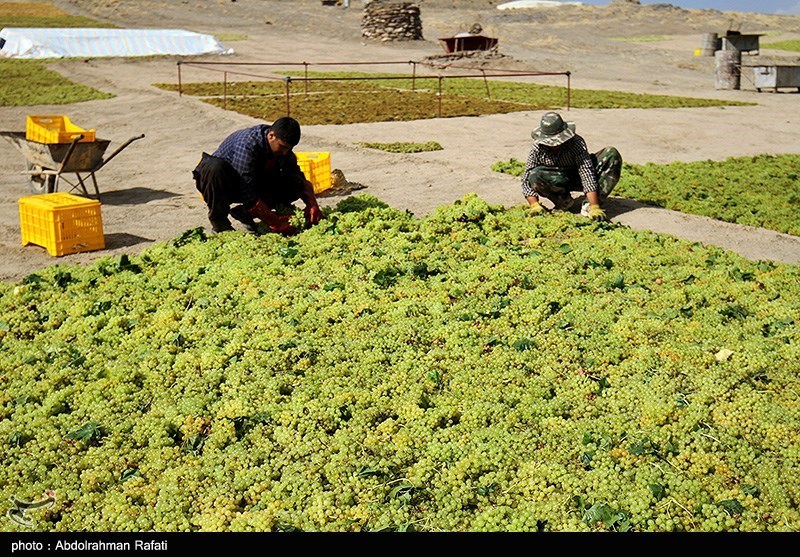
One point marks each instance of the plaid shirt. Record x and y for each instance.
(248, 152)
(572, 155)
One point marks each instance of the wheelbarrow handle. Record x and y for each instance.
(116, 152)
(72, 146)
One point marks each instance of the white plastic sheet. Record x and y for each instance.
(522, 4)
(29, 42)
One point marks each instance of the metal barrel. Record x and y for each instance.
(727, 73)
(709, 44)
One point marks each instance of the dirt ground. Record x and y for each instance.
(148, 195)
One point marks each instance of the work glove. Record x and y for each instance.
(283, 226)
(596, 213)
(313, 213)
(279, 224)
(537, 209)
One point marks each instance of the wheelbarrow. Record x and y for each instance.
(47, 164)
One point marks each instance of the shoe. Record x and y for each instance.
(218, 226)
(244, 217)
(564, 203)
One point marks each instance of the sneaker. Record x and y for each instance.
(564, 203)
(244, 217)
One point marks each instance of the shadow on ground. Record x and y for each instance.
(134, 196)
(615, 206)
(123, 240)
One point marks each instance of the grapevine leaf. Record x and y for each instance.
(657, 490)
(617, 282)
(734, 311)
(90, 431)
(18, 439)
(192, 235)
(32, 279)
(283, 527)
(287, 252)
(193, 444)
(125, 264)
(731, 506)
(368, 471)
(602, 384)
(402, 492)
(599, 512)
(486, 490)
(614, 520)
(129, 473)
(62, 278)
(523, 344)
(753, 490)
(739, 274)
(387, 277)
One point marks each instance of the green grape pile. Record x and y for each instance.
(478, 369)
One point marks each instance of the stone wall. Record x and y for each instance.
(391, 21)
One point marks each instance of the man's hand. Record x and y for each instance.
(313, 213)
(276, 223)
(536, 208)
(283, 227)
(596, 213)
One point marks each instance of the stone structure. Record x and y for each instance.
(391, 21)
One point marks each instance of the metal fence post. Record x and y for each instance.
(288, 80)
(440, 95)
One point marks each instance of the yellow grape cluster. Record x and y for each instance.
(474, 370)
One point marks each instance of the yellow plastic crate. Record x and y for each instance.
(61, 222)
(317, 168)
(54, 129)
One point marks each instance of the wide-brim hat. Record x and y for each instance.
(553, 130)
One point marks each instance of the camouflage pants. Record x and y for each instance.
(556, 183)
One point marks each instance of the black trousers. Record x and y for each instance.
(221, 186)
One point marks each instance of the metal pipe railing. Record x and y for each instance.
(306, 79)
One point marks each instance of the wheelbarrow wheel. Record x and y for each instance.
(40, 183)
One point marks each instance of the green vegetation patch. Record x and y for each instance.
(756, 191)
(479, 369)
(642, 39)
(404, 147)
(396, 97)
(791, 45)
(30, 82)
(386, 106)
(42, 14)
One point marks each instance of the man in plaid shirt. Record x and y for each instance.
(560, 163)
(256, 169)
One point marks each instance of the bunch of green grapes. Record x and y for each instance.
(476, 369)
